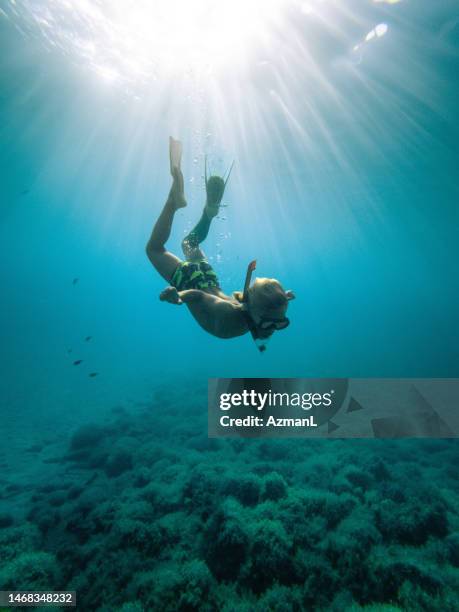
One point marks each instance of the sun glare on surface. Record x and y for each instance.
(198, 33)
(141, 39)
(299, 91)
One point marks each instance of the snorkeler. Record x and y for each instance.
(260, 308)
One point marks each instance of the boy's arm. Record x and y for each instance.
(188, 296)
(217, 316)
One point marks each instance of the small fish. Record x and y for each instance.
(77, 362)
(92, 374)
(75, 280)
(88, 338)
(25, 192)
(69, 351)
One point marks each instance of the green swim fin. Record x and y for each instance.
(215, 188)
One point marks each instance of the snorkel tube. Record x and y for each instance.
(261, 344)
(248, 277)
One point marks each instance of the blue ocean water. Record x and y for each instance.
(341, 118)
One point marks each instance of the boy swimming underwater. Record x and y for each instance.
(260, 308)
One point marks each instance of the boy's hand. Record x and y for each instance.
(171, 295)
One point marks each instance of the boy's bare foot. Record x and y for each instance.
(177, 194)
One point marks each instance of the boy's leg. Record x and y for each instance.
(165, 262)
(190, 244)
